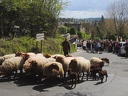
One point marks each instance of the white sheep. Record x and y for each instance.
(8, 56)
(96, 62)
(12, 64)
(51, 59)
(80, 64)
(3, 58)
(65, 62)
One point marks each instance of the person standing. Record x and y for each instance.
(66, 46)
(126, 48)
(84, 43)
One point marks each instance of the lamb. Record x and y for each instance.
(94, 71)
(73, 76)
(106, 60)
(80, 64)
(102, 74)
(65, 62)
(12, 64)
(53, 69)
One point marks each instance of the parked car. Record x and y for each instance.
(121, 50)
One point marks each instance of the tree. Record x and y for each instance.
(72, 31)
(33, 16)
(118, 13)
(62, 29)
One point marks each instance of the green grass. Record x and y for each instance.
(27, 44)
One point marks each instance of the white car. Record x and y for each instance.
(121, 50)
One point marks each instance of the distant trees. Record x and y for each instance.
(95, 28)
(32, 16)
(117, 14)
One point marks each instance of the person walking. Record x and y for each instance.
(126, 48)
(66, 46)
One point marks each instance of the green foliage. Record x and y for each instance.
(112, 37)
(81, 35)
(27, 44)
(62, 29)
(35, 16)
(72, 31)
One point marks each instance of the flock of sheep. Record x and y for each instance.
(57, 65)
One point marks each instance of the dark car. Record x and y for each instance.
(121, 50)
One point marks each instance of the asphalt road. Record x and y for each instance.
(116, 85)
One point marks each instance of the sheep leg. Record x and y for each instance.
(106, 77)
(75, 82)
(64, 74)
(91, 74)
(88, 75)
(102, 79)
(72, 83)
(15, 73)
(63, 79)
(21, 73)
(53, 81)
(78, 76)
(8, 75)
(82, 76)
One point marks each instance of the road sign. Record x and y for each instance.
(39, 36)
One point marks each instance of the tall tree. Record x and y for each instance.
(33, 16)
(118, 13)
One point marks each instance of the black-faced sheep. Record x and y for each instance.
(102, 74)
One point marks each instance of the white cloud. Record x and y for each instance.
(82, 14)
(85, 8)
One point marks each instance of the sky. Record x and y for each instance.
(85, 8)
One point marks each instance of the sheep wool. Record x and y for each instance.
(14, 63)
(95, 60)
(53, 69)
